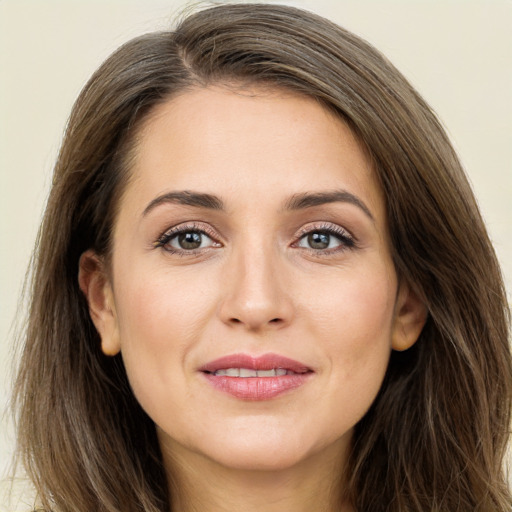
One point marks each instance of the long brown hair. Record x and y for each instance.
(435, 437)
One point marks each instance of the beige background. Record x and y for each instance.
(457, 53)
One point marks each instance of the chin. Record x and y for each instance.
(270, 451)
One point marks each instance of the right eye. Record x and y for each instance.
(325, 239)
(320, 240)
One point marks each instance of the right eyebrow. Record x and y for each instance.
(311, 199)
(188, 198)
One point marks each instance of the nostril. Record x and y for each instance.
(273, 321)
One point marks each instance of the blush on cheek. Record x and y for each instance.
(157, 326)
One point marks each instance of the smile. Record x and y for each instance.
(256, 378)
(248, 372)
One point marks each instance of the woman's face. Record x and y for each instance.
(252, 293)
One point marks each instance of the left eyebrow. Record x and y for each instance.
(187, 198)
(309, 200)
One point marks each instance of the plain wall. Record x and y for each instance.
(458, 54)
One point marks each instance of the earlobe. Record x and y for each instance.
(410, 318)
(95, 285)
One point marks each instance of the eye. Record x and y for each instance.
(326, 239)
(184, 239)
(190, 240)
(318, 240)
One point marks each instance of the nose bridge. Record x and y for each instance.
(256, 295)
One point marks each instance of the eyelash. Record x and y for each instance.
(347, 241)
(164, 239)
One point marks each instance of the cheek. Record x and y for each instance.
(355, 312)
(156, 306)
(159, 317)
(354, 322)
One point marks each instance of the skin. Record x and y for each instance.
(254, 286)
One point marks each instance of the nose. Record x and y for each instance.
(256, 296)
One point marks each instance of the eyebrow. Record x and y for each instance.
(187, 198)
(309, 200)
(296, 202)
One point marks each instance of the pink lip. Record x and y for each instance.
(263, 362)
(256, 388)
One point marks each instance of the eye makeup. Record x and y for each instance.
(188, 239)
(192, 238)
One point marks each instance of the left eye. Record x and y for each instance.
(321, 240)
(188, 240)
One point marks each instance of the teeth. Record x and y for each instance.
(266, 373)
(229, 372)
(247, 372)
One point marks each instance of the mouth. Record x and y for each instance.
(248, 372)
(256, 378)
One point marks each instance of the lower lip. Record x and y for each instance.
(257, 388)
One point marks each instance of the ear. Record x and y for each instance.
(95, 285)
(409, 320)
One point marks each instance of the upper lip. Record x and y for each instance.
(262, 362)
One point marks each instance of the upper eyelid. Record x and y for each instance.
(190, 226)
(324, 226)
(214, 234)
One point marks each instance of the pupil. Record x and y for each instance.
(318, 240)
(189, 240)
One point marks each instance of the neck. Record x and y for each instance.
(199, 484)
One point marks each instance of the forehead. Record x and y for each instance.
(227, 141)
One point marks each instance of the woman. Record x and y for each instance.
(262, 282)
